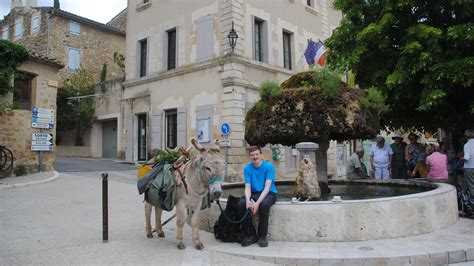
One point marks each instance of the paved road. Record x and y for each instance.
(60, 223)
(76, 164)
(94, 167)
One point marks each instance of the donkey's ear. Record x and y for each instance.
(197, 145)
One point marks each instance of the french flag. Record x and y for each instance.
(320, 50)
(315, 53)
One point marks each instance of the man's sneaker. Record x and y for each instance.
(248, 240)
(263, 242)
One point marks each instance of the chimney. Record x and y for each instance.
(16, 3)
(31, 3)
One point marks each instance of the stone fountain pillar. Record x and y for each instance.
(318, 154)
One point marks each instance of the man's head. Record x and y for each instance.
(255, 153)
(413, 138)
(397, 137)
(380, 141)
(360, 152)
(469, 133)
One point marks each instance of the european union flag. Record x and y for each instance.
(310, 52)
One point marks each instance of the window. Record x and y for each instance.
(258, 40)
(34, 24)
(18, 29)
(171, 120)
(287, 50)
(171, 49)
(5, 32)
(143, 56)
(310, 3)
(75, 28)
(74, 59)
(22, 93)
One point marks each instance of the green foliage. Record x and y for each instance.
(269, 89)
(374, 100)
(103, 78)
(74, 111)
(165, 157)
(119, 59)
(5, 107)
(20, 170)
(328, 81)
(56, 4)
(419, 54)
(11, 56)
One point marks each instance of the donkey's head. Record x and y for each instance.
(210, 168)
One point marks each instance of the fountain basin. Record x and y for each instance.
(428, 208)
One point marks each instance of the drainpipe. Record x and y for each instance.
(49, 32)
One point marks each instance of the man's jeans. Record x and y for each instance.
(263, 212)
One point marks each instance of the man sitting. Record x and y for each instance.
(260, 194)
(354, 166)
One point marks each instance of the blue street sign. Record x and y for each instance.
(225, 129)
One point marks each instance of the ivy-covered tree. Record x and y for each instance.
(11, 56)
(75, 106)
(418, 53)
(56, 4)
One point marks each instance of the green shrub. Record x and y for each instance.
(374, 100)
(269, 89)
(20, 170)
(328, 81)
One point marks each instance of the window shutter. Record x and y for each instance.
(205, 38)
(129, 132)
(74, 59)
(182, 126)
(156, 117)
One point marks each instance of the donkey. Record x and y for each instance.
(203, 173)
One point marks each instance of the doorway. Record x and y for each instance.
(142, 154)
(109, 139)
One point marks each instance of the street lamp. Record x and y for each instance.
(232, 37)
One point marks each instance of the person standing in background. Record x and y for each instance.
(398, 158)
(469, 161)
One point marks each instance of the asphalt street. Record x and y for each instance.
(60, 223)
(94, 167)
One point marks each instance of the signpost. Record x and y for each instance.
(225, 142)
(42, 118)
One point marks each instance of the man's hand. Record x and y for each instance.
(255, 208)
(249, 204)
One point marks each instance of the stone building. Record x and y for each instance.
(65, 37)
(183, 79)
(38, 84)
(59, 42)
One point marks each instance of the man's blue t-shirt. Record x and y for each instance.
(256, 177)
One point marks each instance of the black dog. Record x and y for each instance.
(226, 229)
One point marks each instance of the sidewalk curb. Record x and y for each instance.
(27, 184)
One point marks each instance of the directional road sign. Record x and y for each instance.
(42, 118)
(224, 142)
(41, 142)
(225, 129)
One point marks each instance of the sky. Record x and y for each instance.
(98, 10)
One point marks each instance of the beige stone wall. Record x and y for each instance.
(96, 48)
(15, 126)
(34, 41)
(119, 21)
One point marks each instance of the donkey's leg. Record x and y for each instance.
(180, 209)
(159, 228)
(194, 225)
(148, 209)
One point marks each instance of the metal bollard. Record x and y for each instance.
(105, 217)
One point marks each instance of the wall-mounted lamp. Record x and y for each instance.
(232, 37)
